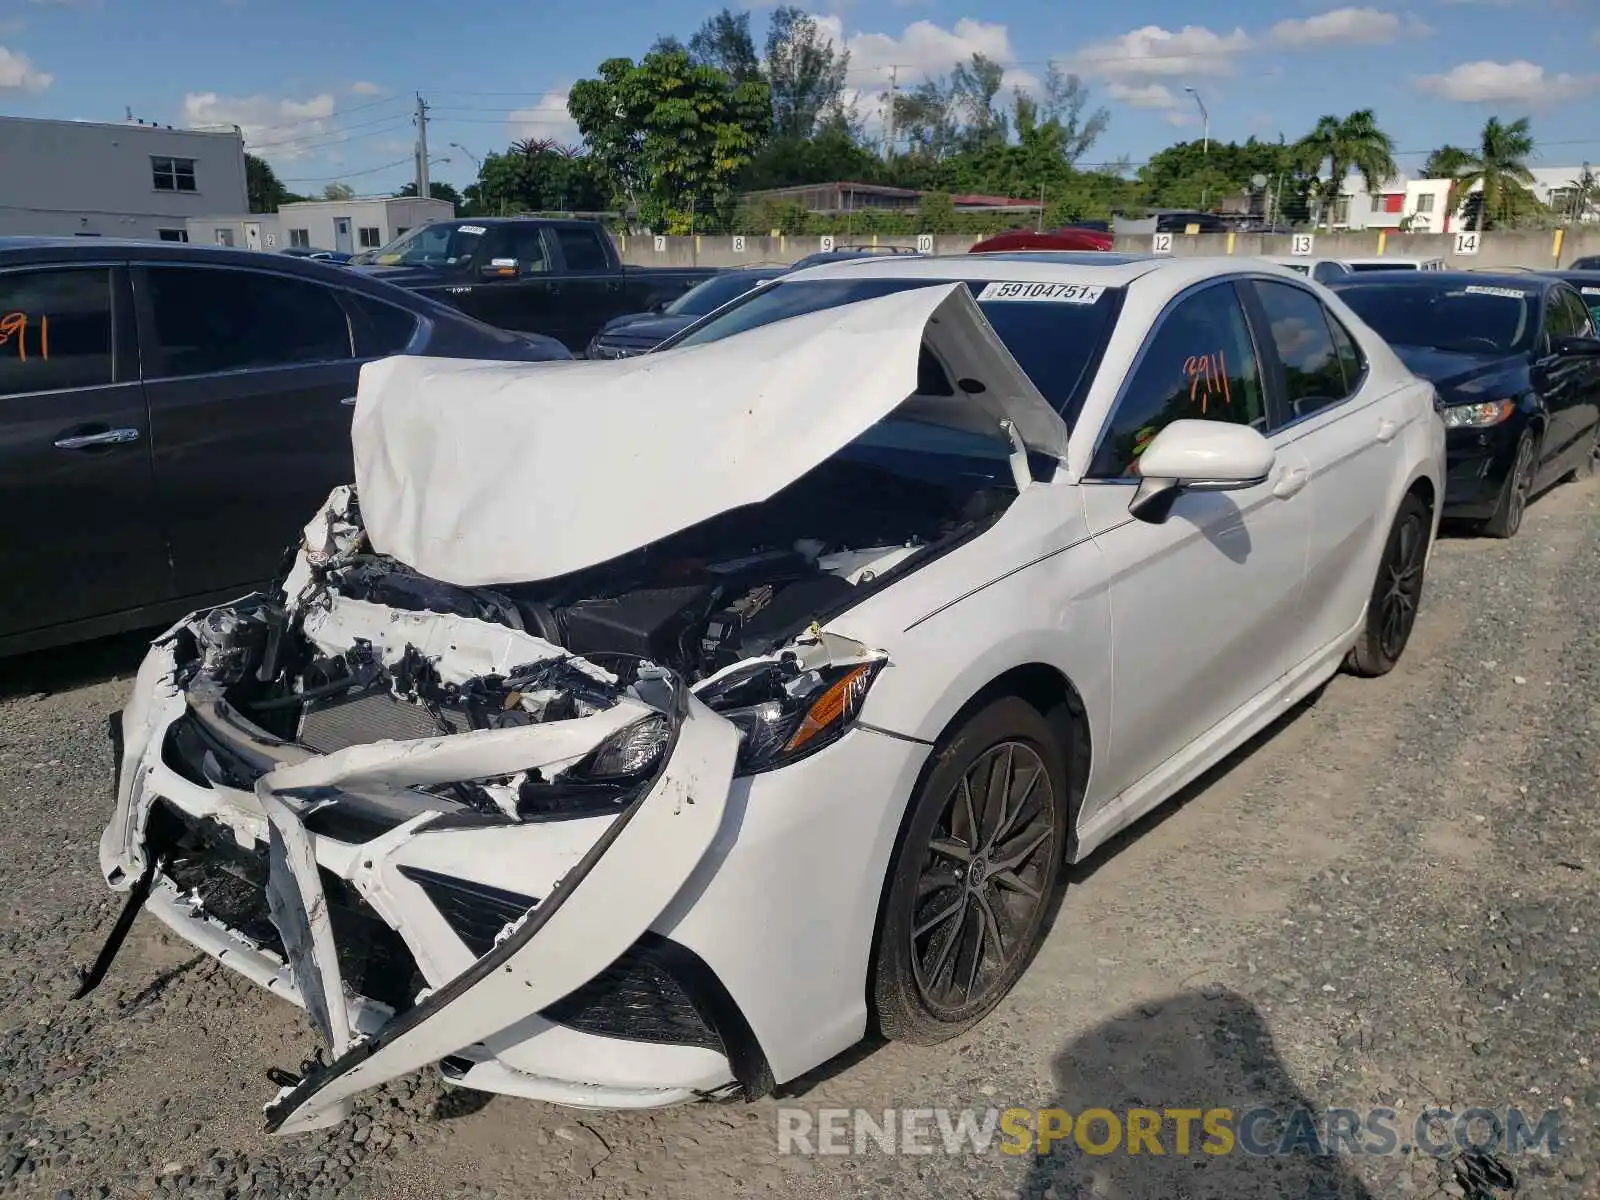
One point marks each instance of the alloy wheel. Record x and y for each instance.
(1397, 611)
(983, 878)
(1521, 483)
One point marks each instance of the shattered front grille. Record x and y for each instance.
(230, 882)
(637, 998)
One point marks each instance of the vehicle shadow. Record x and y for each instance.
(1197, 1050)
(68, 667)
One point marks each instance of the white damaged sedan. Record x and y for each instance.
(638, 731)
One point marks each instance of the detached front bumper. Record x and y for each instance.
(450, 936)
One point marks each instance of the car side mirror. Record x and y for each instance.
(1198, 456)
(498, 268)
(1576, 347)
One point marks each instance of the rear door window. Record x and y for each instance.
(1300, 332)
(210, 319)
(55, 330)
(581, 249)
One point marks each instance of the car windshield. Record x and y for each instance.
(1054, 343)
(444, 243)
(714, 293)
(1591, 298)
(1465, 318)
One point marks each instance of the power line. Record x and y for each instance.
(328, 137)
(348, 174)
(295, 124)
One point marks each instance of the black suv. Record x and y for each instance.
(171, 415)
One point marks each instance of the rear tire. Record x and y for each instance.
(1396, 593)
(1516, 491)
(964, 908)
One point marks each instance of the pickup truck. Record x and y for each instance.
(534, 275)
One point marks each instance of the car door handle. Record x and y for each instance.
(348, 401)
(1386, 430)
(106, 437)
(1290, 482)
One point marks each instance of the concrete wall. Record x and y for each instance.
(1532, 249)
(75, 177)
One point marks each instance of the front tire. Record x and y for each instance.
(972, 875)
(1396, 593)
(1515, 491)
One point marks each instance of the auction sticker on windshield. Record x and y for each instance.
(1508, 293)
(471, 229)
(1057, 293)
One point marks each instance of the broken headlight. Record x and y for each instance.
(628, 753)
(783, 714)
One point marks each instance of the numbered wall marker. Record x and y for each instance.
(1051, 293)
(1468, 242)
(1301, 244)
(924, 243)
(738, 243)
(826, 242)
(661, 244)
(1161, 243)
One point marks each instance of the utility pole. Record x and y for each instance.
(422, 148)
(888, 120)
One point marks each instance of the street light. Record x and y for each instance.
(1205, 145)
(475, 160)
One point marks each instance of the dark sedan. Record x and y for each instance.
(171, 414)
(1517, 366)
(635, 333)
(1587, 284)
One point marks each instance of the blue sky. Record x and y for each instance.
(323, 91)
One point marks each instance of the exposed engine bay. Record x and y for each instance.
(363, 650)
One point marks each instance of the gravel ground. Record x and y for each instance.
(1388, 901)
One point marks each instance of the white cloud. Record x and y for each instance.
(1344, 27)
(279, 128)
(18, 74)
(1519, 82)
(362, 88)
(1142, 95)
(547, 118)
(1156, 53)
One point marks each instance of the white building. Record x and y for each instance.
(1419, 204)
(348, 225)
(129, 180)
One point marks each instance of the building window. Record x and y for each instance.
(1425, 202)
(300, 238)
(173, 174)
(371, 237)
(173, 235)
(401, 231)
(224, 237)
(1341, 210)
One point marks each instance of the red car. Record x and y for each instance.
(1052, 239)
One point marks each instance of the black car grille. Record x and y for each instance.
(476, 912)
(231, 880)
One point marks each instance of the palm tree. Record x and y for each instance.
(1355, 141)
(1585, 193)
(1500, 169)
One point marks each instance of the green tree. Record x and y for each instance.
(437, 189)
(1499, 170)
(1352, 142)
(338, 191)
(536, 175)
(723, 41)
(670, 136)
(973, 87)
(804, 70)
(263, 186)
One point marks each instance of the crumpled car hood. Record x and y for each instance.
(488, 473)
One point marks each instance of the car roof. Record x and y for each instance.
(1512, 279)
(26, 251)
(1088, 266)
(1388, 258)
